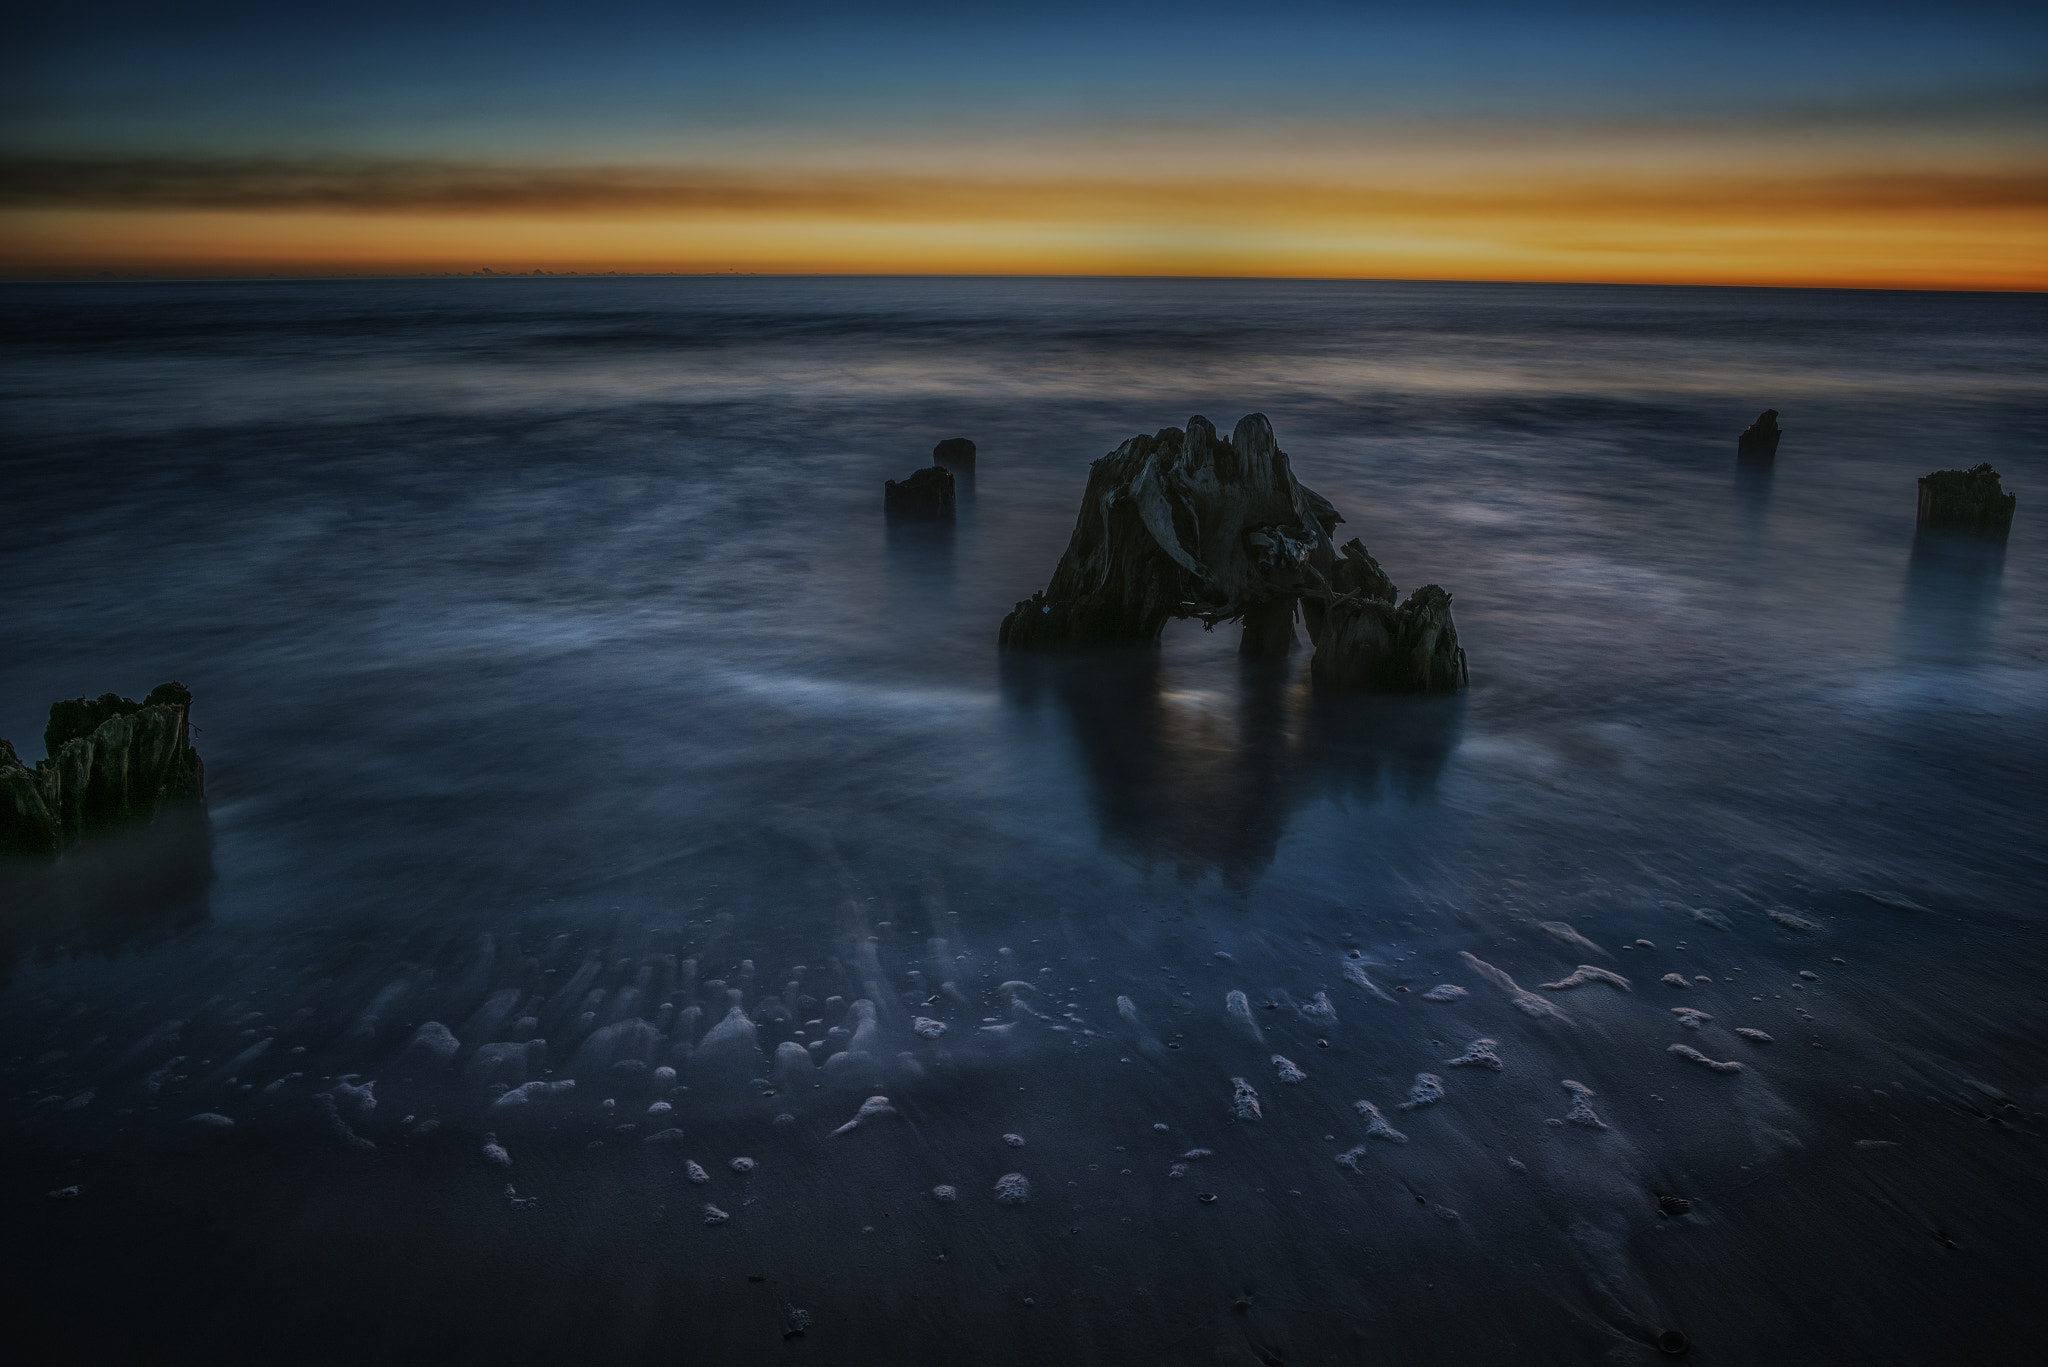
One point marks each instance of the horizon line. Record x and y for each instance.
(112, 277)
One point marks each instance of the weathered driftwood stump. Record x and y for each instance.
(1966, 498)
(1367, 644)
(928, 493)
(111, 761)
(1759, 440)
(1185, 523)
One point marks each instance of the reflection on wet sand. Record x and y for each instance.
(1208, 781)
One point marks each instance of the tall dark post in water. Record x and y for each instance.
(1268, 629)
(1759, 440)
(927, 494)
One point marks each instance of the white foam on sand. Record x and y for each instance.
(1587, 973)
(1528, 1003)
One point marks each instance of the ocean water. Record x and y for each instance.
(559, 679)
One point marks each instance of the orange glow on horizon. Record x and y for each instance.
(1980, 230)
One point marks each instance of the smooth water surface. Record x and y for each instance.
(559, 678)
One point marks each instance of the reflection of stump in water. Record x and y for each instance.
(116, 891)
(1202, 791)
(1753, 492)
(1184, 523)
(1952, 583)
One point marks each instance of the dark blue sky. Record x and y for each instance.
(613, 81)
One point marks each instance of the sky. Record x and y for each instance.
(1873, 145)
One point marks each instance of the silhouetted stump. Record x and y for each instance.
(1759, 440)
(110, 761)
(1966, 498)
(1185, 523)
(928, 493)
(1178, 524)
(1365, 643)
(954, 452)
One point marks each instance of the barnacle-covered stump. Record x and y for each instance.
(111, 761)
(1966, 498)
(1186, 523)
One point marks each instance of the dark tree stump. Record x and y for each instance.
(1184, 523)
(927, 494)
(1972, 498)
(1369, 645)
(111, 761)
(1759, 440)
